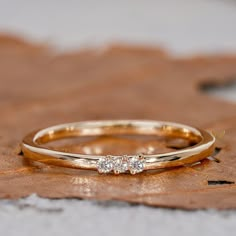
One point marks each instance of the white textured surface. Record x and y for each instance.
(35, 216)
(184, 27)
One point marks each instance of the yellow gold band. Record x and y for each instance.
(204, 145)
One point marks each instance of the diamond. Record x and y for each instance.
(136, 164)
(105, 164)
(120, 165)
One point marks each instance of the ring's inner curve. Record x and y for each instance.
(99, 128)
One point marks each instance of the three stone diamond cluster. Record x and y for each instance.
(121, 164)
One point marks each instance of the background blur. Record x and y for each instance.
(184, 27)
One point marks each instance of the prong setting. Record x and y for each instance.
(136, 164)
(105, 165)
(121, 164)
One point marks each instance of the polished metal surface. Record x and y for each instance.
(32, 145)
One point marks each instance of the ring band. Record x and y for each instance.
(32, 145)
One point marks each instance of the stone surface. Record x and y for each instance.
(78, 87)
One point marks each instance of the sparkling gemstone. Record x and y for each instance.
(105, 165)
(136, 164)
(120, 165)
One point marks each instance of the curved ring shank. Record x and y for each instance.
(33, 149)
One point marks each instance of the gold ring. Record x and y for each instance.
(203, 147)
